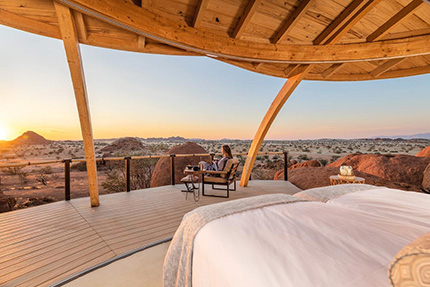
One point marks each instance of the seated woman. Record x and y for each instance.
(219, 165)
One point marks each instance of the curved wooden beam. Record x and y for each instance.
(71, 45)
(267, 121)
(128, 42)
(329, 74)
(202, 41)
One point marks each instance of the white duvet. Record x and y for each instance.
(346, 242)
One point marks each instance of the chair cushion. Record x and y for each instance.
(214, 179)
(228, 165)
(411, 266)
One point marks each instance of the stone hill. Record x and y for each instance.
(424, 153)
(125, 145)
(30, 138)
(161, 175)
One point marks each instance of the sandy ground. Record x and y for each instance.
(28, 181)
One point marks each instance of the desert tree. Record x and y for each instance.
(140, 175)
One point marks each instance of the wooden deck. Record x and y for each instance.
(42, 245)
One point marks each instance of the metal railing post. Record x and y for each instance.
(67, 178)
(172, 169)
(127, 172)
(285, 165)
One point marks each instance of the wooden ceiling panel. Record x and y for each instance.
(40, 10)
(223, 15)
(217, 22)
(306, 30)
(426, 59)
(412, 62)
(278, 9)
(98, 27)
(176, 10)
(398, 18)
(320, 16)
(412, 23)
(424, 13)
(376, 18)
(353, 68)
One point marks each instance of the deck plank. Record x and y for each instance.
(45, 244)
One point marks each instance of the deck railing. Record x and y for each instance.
(127, 161)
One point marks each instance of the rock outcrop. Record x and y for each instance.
(6, 203)
(309, 163)
(30, 138)
(426, 179)
(312, 177)
(35, 201)
(124, 146)
(293, 165)
(396, 171)
(424, 153)
(161, 175)
(402, 169)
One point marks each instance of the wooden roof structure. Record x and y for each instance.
(344, 40)
(327, 40)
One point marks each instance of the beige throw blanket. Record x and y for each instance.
(178, 261)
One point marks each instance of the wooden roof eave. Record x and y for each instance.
(203, 41)
(99, 40)
(280, 60)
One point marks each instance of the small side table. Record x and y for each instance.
(334, 180)
(192, 178)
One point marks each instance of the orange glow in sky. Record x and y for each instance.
(3, 132)
(141, 95)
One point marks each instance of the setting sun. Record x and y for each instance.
(3, 133)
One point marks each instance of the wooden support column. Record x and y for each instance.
(71, 45)
(267, 121)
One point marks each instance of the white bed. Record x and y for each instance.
(348, 241)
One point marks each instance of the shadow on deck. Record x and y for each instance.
(44, 244)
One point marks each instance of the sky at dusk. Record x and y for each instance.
(143, 95)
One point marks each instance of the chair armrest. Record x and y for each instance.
(215, 172)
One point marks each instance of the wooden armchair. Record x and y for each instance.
(225, 177)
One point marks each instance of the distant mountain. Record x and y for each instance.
(406, 137)
(29, 138)
(124, 145)
(172, 139)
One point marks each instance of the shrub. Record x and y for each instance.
(80, 166)
(45, 170)
(13, 170)
(23, 176)
(334, 158)
(303, 157)
(140, 175)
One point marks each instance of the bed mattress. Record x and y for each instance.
(348, 241)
